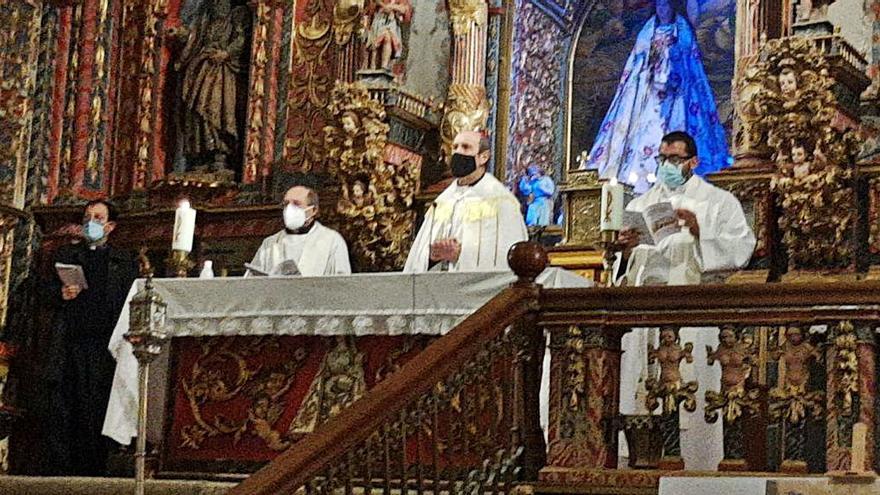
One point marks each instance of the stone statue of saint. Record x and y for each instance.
(213, 67)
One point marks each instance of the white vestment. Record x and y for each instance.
(485, 218)
(726, 243)
(320, 251)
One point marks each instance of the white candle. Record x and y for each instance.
(184, 227)
(611, 214)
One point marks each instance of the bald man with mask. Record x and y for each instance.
(473, 222)
(313, 249)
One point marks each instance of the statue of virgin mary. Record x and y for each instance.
(663, 88)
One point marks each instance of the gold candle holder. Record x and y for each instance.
(180, 264)
(609, 242)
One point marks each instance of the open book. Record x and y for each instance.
(283, 269)
(71, 275)
(661, 221)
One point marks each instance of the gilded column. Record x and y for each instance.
(260, 125)
(147, 168)
(850, 393)
(584, 398)
(466, 105)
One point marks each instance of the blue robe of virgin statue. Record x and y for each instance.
(663, 89)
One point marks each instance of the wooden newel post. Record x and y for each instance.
(528, 260)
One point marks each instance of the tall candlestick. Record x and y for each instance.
(184, 227)
(611, 213)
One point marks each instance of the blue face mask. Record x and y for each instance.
(94, 231)
(670, 175)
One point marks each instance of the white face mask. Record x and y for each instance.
(294, 216)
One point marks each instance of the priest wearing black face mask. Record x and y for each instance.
(473, 223)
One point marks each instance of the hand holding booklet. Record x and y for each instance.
(661, 221)
(283, 269)
(71, 275)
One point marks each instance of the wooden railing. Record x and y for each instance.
(462, 417)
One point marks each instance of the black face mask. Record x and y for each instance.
(462, 165)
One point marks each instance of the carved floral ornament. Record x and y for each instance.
(466, 13)
(466, 108)
(786, 102)
(377, 195)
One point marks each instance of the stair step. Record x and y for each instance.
(62, 485)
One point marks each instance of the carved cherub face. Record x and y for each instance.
(787, 82)
(667, 337)
(349, 123)
(798, 154)
(357, 189)
(727, 337)
(794, 335)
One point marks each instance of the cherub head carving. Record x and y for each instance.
(788, 84)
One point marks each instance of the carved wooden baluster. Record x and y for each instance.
(349, 472)
(386, 458)
(435, 440)
(420, 475)
(404, 471)
(368, 466)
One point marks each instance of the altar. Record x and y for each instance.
(254, 364)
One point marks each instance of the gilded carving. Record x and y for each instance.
(150, 53)
(377, 194)
(466, 13)
(669, 388)
(846, 366)
(339, 382)
(308, 92)
(222, 373)
(791, 108)
(733, 400)
(256, 121)
(346, 15)
(466, 108)
(790, 400)
(18, 60)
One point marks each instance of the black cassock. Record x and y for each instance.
(81, 373)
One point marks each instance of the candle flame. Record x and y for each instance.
(184, 204)
(613, 181)
(652, 178)
(633, 178)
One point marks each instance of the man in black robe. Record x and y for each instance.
(83, 366)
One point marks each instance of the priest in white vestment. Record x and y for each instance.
(714, 237)
(304, 246)
(473, 222)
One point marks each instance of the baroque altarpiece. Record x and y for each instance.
(229, 102)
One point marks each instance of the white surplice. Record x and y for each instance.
(320, 251)
(484, 217)
(726, 243)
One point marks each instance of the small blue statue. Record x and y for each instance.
(538, 190)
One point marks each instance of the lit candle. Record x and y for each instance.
(184, 227)
(611, 214)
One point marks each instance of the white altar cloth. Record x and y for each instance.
(360, 304)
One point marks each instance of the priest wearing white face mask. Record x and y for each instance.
(314, 249)
(473, 222)
(714, 237)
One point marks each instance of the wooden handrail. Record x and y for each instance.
(711, 304)
(340, 434)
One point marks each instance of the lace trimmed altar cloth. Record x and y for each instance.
(361, 304)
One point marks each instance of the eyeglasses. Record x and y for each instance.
(674, 159)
